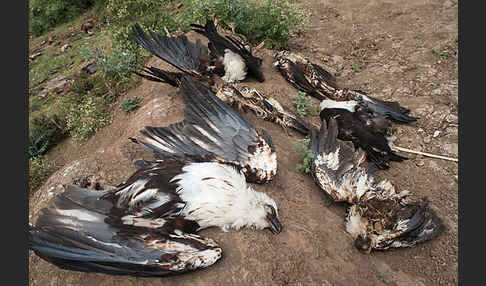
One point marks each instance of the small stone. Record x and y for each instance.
(436, 133)
(420, 163)
(436, 91)
(65, 48)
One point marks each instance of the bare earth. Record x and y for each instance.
(392, 42)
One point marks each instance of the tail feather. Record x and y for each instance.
(423, 226)
(393, 110)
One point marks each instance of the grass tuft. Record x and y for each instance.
(306, 156)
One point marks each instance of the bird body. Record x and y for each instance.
(211, 129)
(267, 108)
(218, 45)
(319, 83)
(146, 226)
(234, 67)
(356, 123)
(223, 55)
(379, 217)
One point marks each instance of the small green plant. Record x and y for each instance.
(337, 14)
(40, 168)
(306, 156)
(130, 104)
(303, 104)
(44, 133)
(85, 116)
(82, 85)
(443, 54)
(409, 68)
(355, 69)
(382, 277)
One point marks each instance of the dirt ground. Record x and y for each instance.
(393, 43)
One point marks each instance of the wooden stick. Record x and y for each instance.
(425, 154)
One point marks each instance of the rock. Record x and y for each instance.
(58, 85)
(32, 57)
(65, 48)
(36, 91)
(87, 25)
(338, 62)
(436, 92)
(90, 68)
(51, 39)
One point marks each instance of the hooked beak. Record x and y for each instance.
(274, 224)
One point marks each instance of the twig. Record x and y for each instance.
(423, 153)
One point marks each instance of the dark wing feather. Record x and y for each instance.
(390, 109)
(366, 136)
(210, 126)
(149, 194)
(158, 75)
(177, 51)
(79, 232)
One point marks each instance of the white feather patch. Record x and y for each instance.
(234, 67)
(217, 195)
(348, 105)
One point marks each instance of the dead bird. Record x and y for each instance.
(319, 83)
(213, 129)
(267, 108)
(235, 57)
(147, 225)
(358, 124)
(379, 217)
(190, 58)
(226, 57)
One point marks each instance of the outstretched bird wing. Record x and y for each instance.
(79, 232)
(178, 51)
(319, 83)
(212, 129)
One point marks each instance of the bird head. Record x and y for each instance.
(363, 243)
(264, 214)
(271, 219)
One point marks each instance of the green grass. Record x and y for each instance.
(47, 14)
(303, 104)
(306, 156)
(443, 54)
(86, 107)
(40, 168)
(410, 68)
(382, 277)
(355, 69)
(130, 104)
(85, 116)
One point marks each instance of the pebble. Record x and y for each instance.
(436, 133)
